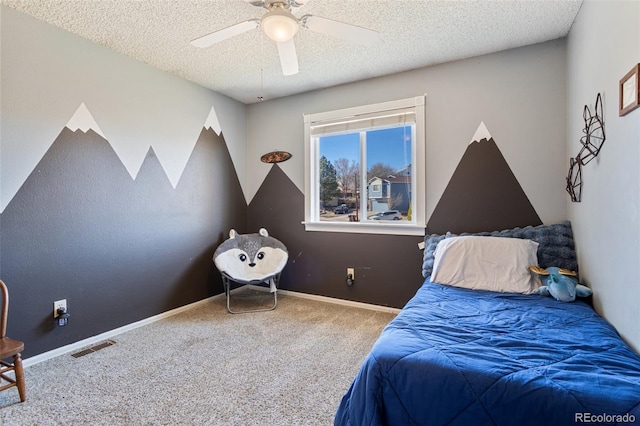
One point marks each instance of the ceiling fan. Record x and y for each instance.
(280, 25)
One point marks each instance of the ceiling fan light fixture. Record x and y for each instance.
(279, 25)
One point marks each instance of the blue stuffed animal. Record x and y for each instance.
(561, 284)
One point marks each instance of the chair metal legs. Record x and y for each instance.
(227, 288)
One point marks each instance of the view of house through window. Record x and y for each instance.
(365, 175)
(365, 169)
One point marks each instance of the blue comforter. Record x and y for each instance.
(468, 357)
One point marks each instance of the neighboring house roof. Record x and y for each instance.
(400, 179)
(376, 179)
(405, 171)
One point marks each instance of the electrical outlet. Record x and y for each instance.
(351, 277)
(59, 304)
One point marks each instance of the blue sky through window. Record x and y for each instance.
(388, 146)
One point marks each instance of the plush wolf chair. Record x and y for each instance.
(251, 259)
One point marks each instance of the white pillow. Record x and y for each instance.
(486, 263)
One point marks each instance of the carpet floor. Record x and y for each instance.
(204, 366)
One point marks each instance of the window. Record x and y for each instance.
(365, 169)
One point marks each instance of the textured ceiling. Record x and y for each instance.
(415, 33)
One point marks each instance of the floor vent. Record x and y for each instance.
(93, 349)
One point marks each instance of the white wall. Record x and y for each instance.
(518, 93)
(603, 45)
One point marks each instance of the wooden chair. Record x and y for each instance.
(10, 348)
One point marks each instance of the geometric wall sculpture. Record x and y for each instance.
(574, 180)
(591, 142)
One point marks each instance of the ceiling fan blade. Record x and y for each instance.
(225, 33)
(257, 3)
(288, 57)
(340, 29)
(297, 4)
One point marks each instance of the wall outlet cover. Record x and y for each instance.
(57, 305)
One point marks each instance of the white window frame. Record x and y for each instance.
(418, 170)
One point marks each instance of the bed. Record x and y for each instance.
(463, 356)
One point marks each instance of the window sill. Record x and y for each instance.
(366, 228)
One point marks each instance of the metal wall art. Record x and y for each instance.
(591, 142)
(574, 180)
(593, 132)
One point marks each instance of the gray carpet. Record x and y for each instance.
(205, 366)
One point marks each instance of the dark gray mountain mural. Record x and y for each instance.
(119, 250)
(482, 195)
(387, 266)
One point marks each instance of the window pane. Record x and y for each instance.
(346, 149)
(339, 173)
(388, 154)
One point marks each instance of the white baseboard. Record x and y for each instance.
(111, 333)
(335, 301)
